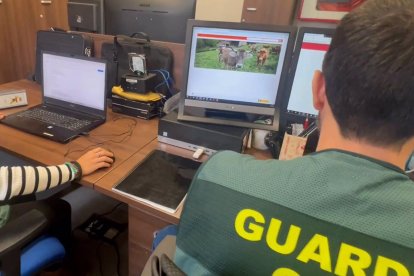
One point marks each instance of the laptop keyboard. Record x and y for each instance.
(56, 119)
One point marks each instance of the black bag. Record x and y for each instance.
(61, 42)
(109, 54)
(159, 60)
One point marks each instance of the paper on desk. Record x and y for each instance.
(292, 147)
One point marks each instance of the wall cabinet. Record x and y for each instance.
(7, 66)
(219, 10)
(19, 22)
(275, 12)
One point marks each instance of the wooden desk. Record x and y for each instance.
(129, 150)
(108, 135)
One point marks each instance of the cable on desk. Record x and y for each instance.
(129, 131)
(125, 135)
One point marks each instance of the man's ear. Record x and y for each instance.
(318, 90)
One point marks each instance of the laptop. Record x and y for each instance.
(73, 99)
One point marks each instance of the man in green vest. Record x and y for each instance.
(347, 209)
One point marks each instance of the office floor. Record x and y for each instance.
(90, 256)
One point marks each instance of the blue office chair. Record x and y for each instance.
(24, 249)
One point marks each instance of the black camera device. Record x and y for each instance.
(138, 84)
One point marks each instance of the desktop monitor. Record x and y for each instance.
(234, 72)
(86, 16)
(162, 20)
(311, 46)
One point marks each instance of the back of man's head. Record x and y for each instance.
(369, 72)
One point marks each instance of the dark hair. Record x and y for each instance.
(369, 72)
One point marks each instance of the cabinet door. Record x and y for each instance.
(16, 21)
(50, 13)
(274, 12)
(19, 22)
(7, 64)
(46, 14)
(22, 37)
(219, 10)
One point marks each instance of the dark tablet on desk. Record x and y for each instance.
(161, 180)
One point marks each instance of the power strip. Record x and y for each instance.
(102, 228)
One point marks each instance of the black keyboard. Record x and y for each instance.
(55, 119)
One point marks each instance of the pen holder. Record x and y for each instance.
(295, 146)
(292, 147)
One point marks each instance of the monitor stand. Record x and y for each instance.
(226, 115)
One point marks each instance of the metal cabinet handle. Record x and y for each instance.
(251, 9)
(46, 2)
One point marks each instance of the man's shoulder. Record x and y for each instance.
(230, 160)
(241, 171)
(233, 159)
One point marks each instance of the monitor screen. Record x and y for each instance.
(310, 49)
(234, 73)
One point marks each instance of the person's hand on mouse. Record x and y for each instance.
(2, 116)
(95, 159)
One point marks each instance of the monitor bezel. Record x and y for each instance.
(285, 117)
(94, 10)
(162, 20)
(291, 30)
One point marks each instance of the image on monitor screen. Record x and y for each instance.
(311, 46)
(234, 72)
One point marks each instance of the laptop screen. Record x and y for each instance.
(75, 80)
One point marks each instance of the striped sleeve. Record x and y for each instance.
(23, 180)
